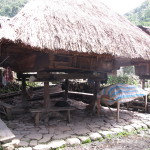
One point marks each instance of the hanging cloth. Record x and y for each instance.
(8, 74)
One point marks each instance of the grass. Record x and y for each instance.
(87, 141)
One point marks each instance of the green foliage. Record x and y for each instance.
(31, 84)
(86, 141)
(127, 79)
(10, 8)
(140, 15)
(129, 70)
(11, 87)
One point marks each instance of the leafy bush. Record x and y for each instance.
(11, 87)
(31, 84)
(127, 79)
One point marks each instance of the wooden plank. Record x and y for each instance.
(51, 109)
(5, 132)
(81, 93)
(6, 105)
(11, 94)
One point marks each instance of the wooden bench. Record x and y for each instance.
(7, 109)
(37, 112)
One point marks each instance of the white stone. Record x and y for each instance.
(41, 147)
(148, 124)
(128, 128)
(136, 126)
(106, 133)
(117, 130)
(57, 144)
(34, 136)
(83, 138)
(143, 125)
(33, 143)
(8, 146)
(15, 142)
(23, 143)
(73, 141)
(95, 136)
(104, 128)
(24, 148)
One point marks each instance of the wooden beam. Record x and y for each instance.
(66, 89)
(51, 77)
(46, 95)
(24, 93)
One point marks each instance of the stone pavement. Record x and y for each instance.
(58, 133)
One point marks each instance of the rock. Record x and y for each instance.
(43, 131)
(136, 126)
(117, 130)
(24, 148)
(106, 133)
(23, 144)
(57, 144)
(61, 136)
(46, 138)
(84, 138)
(73, 141)
(41, 147)
(128, 128)
(15, 142)
(8, 146)
(95, 136)
(34, 136)
(148, 124)
(33, 143)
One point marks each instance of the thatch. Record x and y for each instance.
(5, 28)
(145, 29)
(86, 26)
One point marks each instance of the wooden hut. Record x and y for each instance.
(71, 36)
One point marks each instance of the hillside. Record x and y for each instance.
(10, 8)
(140, 15)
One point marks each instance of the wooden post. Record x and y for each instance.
(118, 108)
(24, 93)
(145, 98)
(68, 116)
(95, 94)
(143, 83)
(66, 89)
(46, 95)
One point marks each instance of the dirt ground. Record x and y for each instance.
(139, 141)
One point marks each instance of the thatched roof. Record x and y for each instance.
(145, 29)
(86, 26)
(5, 28)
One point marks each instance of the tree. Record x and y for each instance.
(10, 8)
(140, 15)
